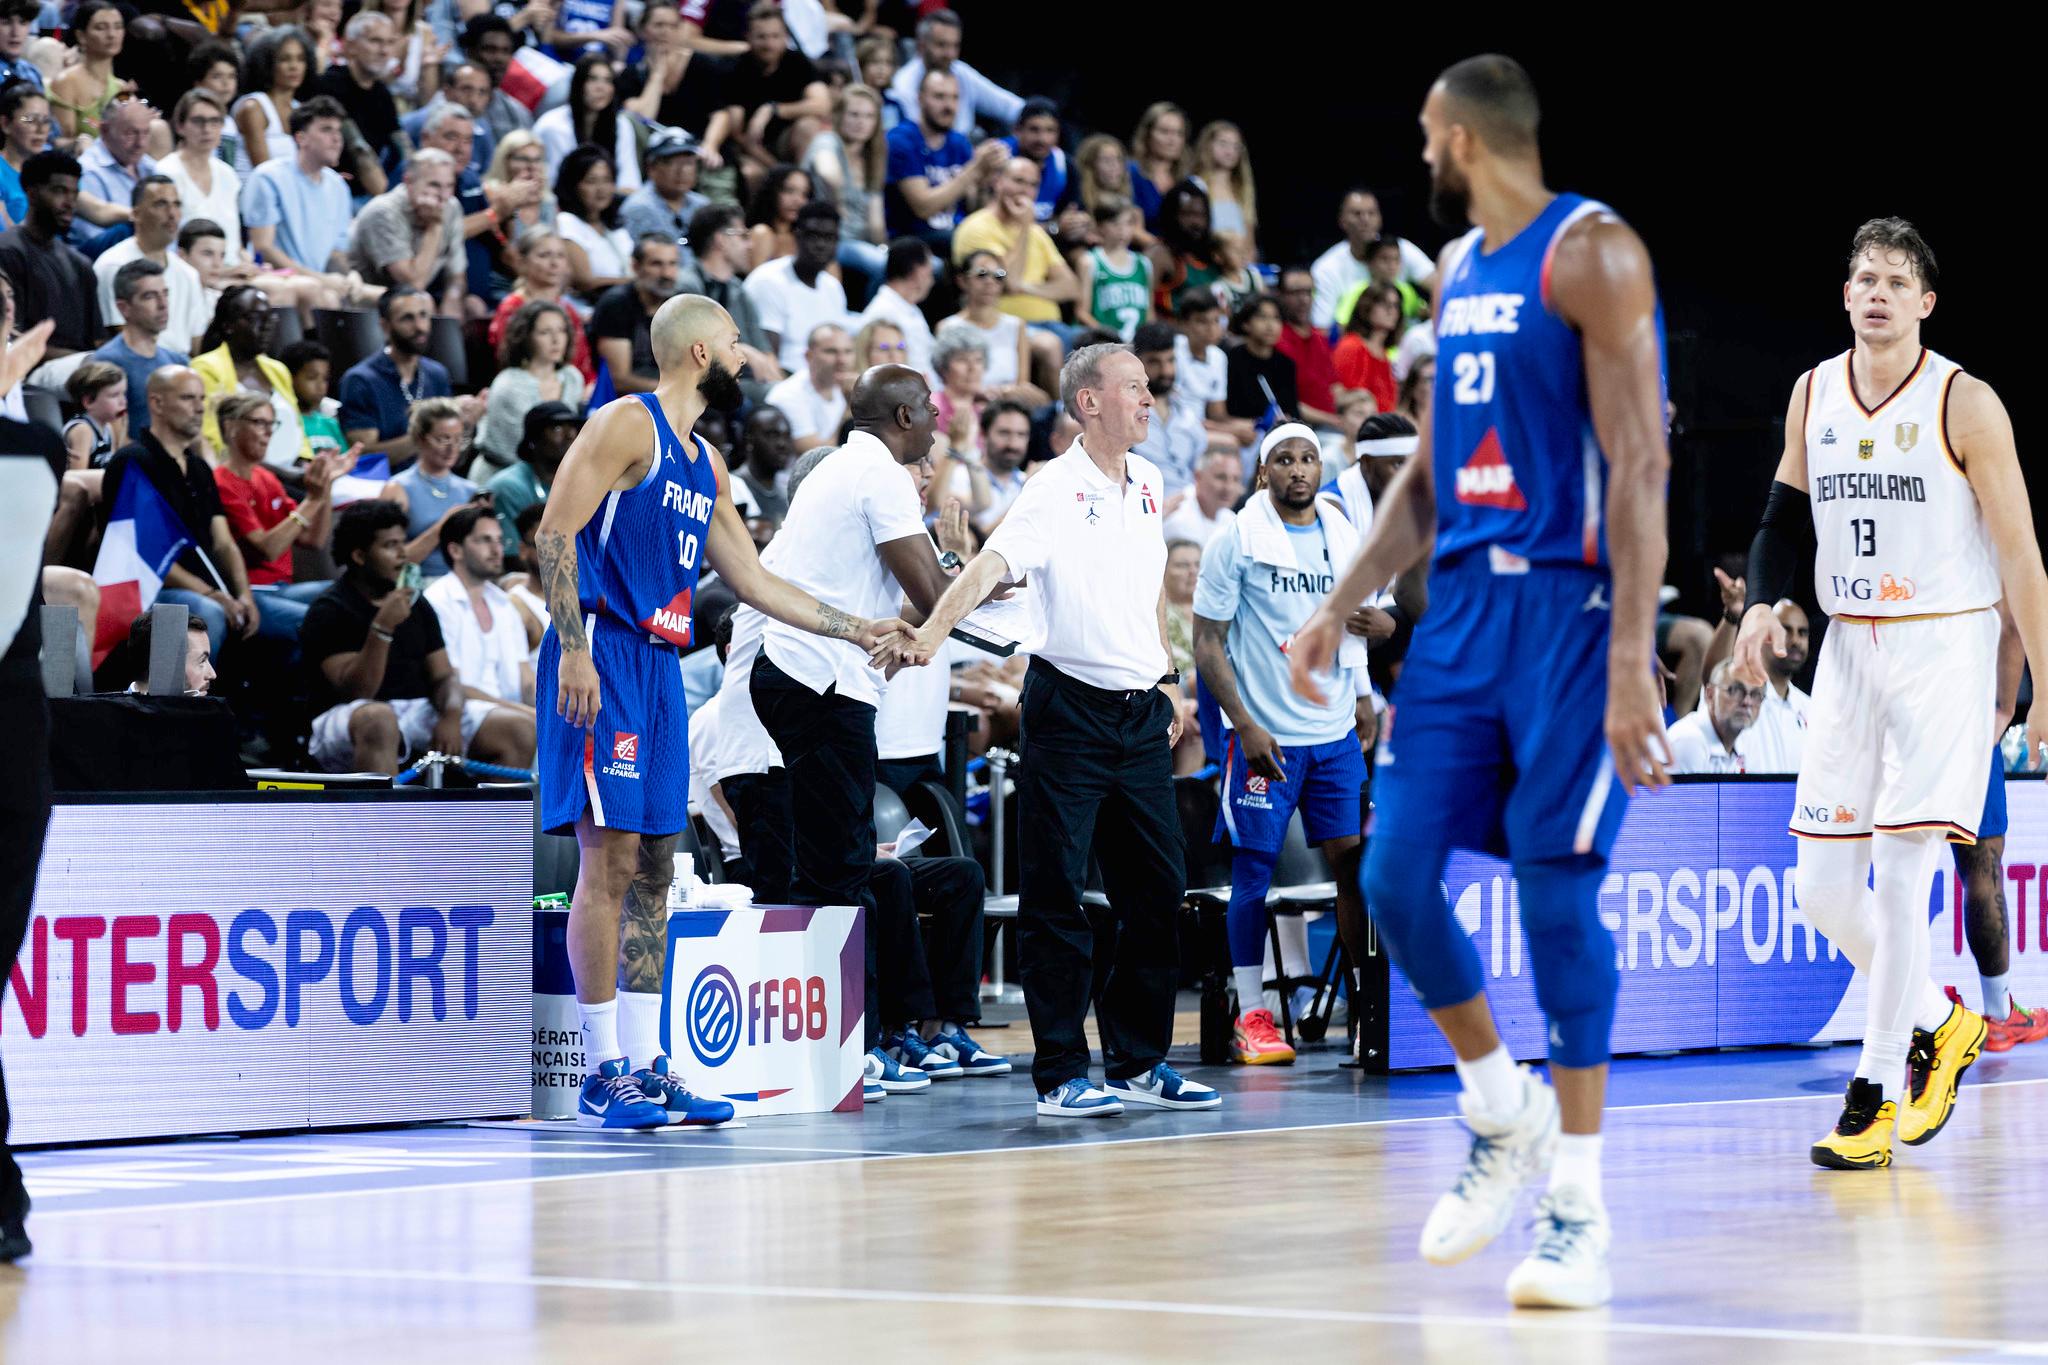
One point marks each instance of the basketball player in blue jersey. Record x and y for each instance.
(639, 506)
(1527, 706)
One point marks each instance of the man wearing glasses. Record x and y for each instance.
(906, 282)
(1704, 741)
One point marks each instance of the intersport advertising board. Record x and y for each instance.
(1713, 949)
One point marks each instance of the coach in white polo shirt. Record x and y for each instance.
(1705, 740)
(812, 398)
(1101, 713)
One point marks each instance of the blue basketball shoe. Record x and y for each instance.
(661, 1084)
(915, 1054)
(973, 1058)
(614, 1099)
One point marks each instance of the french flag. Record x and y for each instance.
(366, 480)
(532, 74)
(143, 537)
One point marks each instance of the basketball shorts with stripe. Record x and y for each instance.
(631, 767)
(1899, 727)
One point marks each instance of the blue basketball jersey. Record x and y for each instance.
(638, 559)
(1518, 465)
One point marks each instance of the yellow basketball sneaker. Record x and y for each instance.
(1935, 1065)
(1862, 1139)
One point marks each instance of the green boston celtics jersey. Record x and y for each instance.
(1118, 301)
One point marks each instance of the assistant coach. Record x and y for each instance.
(1100, 714)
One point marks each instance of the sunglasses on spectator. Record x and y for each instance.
(890, 346)
(986, 273)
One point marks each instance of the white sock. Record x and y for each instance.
(1884, 1060)
(640, 1026)
(1997, 995)
(1251, 988)
(1934, 1007)
(1293, 944)
(600, 1032)
(1577, 1164)
(1494, 1082)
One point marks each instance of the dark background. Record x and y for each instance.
(1746, 168)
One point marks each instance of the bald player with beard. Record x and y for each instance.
(640, 504)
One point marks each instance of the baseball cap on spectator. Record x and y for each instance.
(670, 142)
(540, 417)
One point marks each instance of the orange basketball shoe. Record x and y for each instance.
(1257, 1042)
(2016, 1027)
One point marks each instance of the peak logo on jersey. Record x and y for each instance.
(1488, 480)
(1865, 449)
(1905, 436)
(626, 748)
(672, 622)
(1827, 438)
(1890, 589)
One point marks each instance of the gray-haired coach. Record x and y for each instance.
(1100, 717)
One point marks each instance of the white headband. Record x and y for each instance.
(1388, 445)
(1286, 431)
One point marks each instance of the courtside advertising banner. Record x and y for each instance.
(1713, 949)
(275, 962)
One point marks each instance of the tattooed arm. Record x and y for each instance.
(643, 923)
(610, 452)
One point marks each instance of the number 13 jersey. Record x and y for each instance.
(1896, 524)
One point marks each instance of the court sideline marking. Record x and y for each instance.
(360, 1192)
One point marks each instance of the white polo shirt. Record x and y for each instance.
(705, 733)
(786, 306)
(858, 497)
(1776, 742)
(889, 306)
(1697, 748)
(911, 720)
(488, 661)
(809, 412)
(739, 743)
(1096, 555)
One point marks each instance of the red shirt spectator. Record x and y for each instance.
(1315, 370)
(1361, 365)
(255, 504)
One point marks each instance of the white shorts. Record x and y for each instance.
(335, 750)
(1900, 723)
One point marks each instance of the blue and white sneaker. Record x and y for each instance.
(1164, 1088)
(1077, 1099)
(973, 1060)
(915, 1053)
(613, 1099)
(664, 1087)
(871, 1091)
(891, 1075)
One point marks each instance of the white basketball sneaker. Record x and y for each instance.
(1507, 1153)
(1568, 1266)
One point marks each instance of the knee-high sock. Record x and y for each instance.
(1904, 864)
(1834, 893)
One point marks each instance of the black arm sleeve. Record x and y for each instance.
(1785, 534)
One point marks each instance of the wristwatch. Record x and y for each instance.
(1165, 678)
(951, 562)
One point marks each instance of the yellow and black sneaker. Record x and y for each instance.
(1862, 1140)
(1935, 1064)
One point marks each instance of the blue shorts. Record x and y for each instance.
(1324, 782)
(1992, 826)
(1496, 739)
(631, 767)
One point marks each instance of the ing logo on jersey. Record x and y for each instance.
(1890, 589)
(1488, 480)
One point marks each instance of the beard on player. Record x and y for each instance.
(1450, 198)
(720, 387)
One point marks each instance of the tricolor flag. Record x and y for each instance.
(366, 480)
(144, 536)
(532, 74)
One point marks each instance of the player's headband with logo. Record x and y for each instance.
(1393, 446)
(1286, 431)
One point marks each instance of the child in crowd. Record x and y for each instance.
(308, 362)
(1116, 282)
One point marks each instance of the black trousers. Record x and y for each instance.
(828, 750)
(901, 774)
(24, 821)
(761, 815)
(1096, 775)
(920, 973)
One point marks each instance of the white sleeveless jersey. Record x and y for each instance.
(1897, 525)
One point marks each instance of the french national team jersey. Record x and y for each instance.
(1519, 470)
(638, 559)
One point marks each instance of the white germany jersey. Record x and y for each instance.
(1897, 526)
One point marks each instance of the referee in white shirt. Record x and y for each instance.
(1100, 713)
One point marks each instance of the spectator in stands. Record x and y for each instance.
(907, 280)
(1704, 741)
(769, 449)
(771, 213)
(980, 100)
(1183, 570)
(49, 277)
(718, 239)
(793, 295)
(481, 629)
(478, 211)
(199, 674)
(488, 43)
(1346, 264)
(663, 206)
(549, 430)
(621, 324)
(234, 355)
(1102, 171)
(1114, 288)
(594, 116)
(781, 99)
(277, 68)
(1036, 279)
(169, 454)
(379, 394)
(1005, 441)
(1178, 433)
(1184, 254)
(1219, 483)
(110, 171)
(467, 90)
(378, 658)
(99, 389)
(1775, 741)
(1202, 374)
(1315, 367)
(24, 131)
(982, 277)
(79, 98)
(1361, 360)
(1037, 139)
(208, 187)
(310, 366)
(412, 236)
(143, 297)
(1159, 159)
(534, 369)
(157, 211)
(517, 186)
(1260, 377)
(297, 211)
(1236, 279)
(1383, 260)
(215, 70)
(266, 521)
(429, 491)
(849, 163)
(675, 88)
(881, 343)
(544, 278)
(359, 85)
(1417, 385)
(960, 358)
(17, 25)
(812, 398)
(1224, 167)
(933, 169)
(587, 195)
